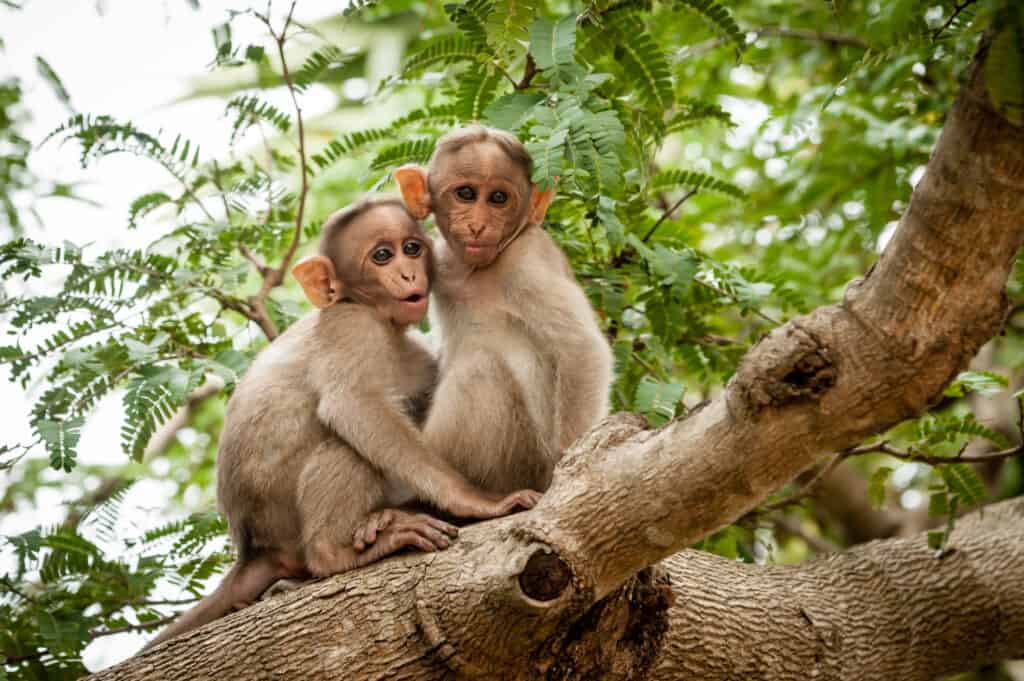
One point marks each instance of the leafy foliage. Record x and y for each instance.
(708, 189)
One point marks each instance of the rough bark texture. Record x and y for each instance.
(890, 609)
(521, 598)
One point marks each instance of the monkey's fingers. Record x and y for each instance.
(449, 529)
(425, 529)
(366, 534)
(397, 539)
(524, 499)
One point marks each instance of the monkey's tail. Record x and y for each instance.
(213, 606)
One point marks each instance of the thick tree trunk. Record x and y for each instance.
(553, 594)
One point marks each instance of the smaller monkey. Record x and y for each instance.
(320, 441)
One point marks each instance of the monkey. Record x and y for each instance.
(524, 368)
(318, 447)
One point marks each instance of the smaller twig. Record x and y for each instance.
(809, 487)
(884, 447)
(257, 262)
(712, 339)
(819, 36)
(960, 7)
(725, 294)
(651, 369)
(529, 71)
(142, 626)
(667, 214)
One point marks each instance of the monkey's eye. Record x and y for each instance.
(498, 197)
(412, 248)
(465, 193)
(382, 256)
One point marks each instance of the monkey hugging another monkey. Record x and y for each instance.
(320, 441)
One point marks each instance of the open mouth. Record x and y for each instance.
(414, 298)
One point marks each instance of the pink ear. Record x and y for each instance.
(539, 202)
(412, 180)
(315, 273)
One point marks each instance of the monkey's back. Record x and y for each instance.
(271, 427)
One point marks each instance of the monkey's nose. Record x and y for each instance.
(410, 276)
(476, 231)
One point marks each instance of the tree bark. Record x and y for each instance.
(885, 610)
(554, 593)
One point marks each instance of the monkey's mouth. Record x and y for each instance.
(414, 298)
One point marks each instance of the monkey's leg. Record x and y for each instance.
(338, 491)
(240, 588)
(491, 437)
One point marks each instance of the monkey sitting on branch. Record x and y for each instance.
(319, 443)
(525, 369)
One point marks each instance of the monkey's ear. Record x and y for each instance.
(412, 180)
(316, 275)
(539, 202)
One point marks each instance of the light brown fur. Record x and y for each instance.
(319, 441)
(525, 369)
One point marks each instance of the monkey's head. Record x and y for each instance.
(373, 253)
(478, 187)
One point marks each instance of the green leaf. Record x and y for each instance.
(964, 482)
(509, 112)
(553, 43)
(983, 383)
(255, 54)
(56, 84)
(687, 178)
(414, 151)
(720, 18)
(316, 64)
(440, 52)
(471, 17)
(938, 504)
(348, 144)
(645, 62)
(475, 92)
(876, 486)
(144, 205)
(1004, 68)
(229, 365)
(657, 400)
(548, 153)
(61, 440)
(936, 540)
(250, 110)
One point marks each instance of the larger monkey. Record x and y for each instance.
(318, 444)
(525, 369)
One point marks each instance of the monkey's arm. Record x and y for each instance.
(373, 425)
(563, 324)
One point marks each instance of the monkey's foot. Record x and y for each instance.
(420, 530)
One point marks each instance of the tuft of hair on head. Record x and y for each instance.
(336, 224)
(473, 133)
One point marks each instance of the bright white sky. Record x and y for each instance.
(130, 59)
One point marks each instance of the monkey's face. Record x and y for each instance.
(480, 198)
(384, 260)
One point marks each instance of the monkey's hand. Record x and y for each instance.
(423, 531)
(477, 504)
